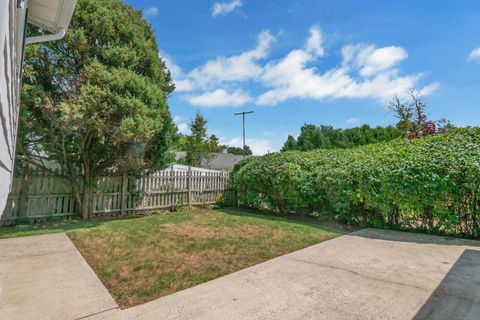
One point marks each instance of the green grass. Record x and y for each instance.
(141, 259)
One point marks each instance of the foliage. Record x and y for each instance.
(199, 149)
(326, 137)
(240, 151)
(290, 144)
(430, 184)
(96, 100)
(412, 117)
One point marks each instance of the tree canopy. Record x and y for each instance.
(199, 147)
(96, 100)
(326, 137)
(239, 151)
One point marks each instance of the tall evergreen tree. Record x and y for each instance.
(199, 147)
(96, 100)
(290, 144)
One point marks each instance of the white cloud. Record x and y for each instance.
(175, 70)
(181, 83)
(259, 146)
(474, 55)
(220, 98)
(365, 71)
(428, 90)
(315, 42)
(370, 60)
(353, 121)
(150, 12)
(184, 85)
(292, 78)
(222, 8)
(183, 128)
(212, 73)
(235, 68)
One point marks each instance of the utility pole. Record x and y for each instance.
(243, 118)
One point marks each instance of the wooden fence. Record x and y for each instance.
(39, 195)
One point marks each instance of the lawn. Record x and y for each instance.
(139, 260)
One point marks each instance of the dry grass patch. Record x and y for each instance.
(142, 259)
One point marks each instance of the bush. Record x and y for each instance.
(429, 184)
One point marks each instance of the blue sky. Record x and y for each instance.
(322, 62)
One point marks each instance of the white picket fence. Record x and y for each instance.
(39, 195)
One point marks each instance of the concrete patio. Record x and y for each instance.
(371, 274)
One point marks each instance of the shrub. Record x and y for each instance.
(429, 184)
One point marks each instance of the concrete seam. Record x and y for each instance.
(96, 313)
(357, 274)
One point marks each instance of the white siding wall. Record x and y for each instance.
(9, 93)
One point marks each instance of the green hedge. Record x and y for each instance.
(430, 184)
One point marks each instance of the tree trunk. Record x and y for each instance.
(86, 198)
(77, 195)
(82, 189)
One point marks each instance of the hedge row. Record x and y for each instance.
(430, 184)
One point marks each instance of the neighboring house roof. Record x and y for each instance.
(224, 161)
(220, 161)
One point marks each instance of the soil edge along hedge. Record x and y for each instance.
(430, 184)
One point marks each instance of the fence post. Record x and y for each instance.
(189, 185)
(173, 182)
(124, 192)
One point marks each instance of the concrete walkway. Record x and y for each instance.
(370, 274)
(45, 277)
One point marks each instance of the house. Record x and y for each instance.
(53, 16)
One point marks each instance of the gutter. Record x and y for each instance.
(45, 38)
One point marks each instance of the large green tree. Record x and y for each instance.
(96, 101)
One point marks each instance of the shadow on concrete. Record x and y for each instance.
(402, 236)
(458, 295)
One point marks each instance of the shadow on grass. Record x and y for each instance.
(458, 295)
(325, 225)
(48, 228)
(415, 237)
(69, 225)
